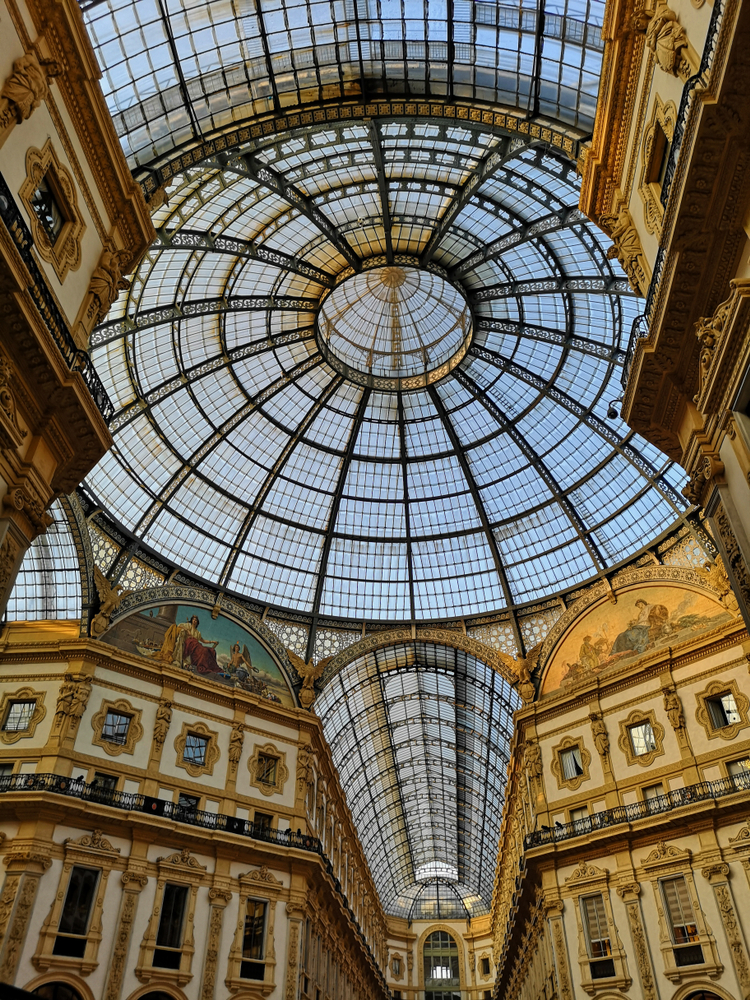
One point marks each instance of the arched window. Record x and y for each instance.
(56, 991)
(441, 977)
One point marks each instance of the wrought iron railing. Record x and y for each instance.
(675, 799)
(135, 802)
(76, 359)
(641, 324)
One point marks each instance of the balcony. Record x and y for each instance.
(702, 792)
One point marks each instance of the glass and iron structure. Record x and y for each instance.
(363, 375)
(419, 733)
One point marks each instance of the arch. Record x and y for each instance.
(433, 931)
(200, 597)
(60, 985)
(702, 991)
(444, 637)
(433, 712)
(164, 991)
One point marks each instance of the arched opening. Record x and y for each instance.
(442, 980)
(57, 991)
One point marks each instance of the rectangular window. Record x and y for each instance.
(739, 770)
(580, 817)
(115, 728)
(262, 822)
(20, 714)
(570, 762)
(653, 797)
(267, 769)
(6, 770)
(642, 738)
(723, 710)
(187, 805)
(597, 937)
(684, 930)
(195, 749)
(253, 941)
(659, 157)
(485, 966)
(104, 782)
(47, 209)
(167, 953)
(76, 912)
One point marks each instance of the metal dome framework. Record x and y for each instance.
(242, 456)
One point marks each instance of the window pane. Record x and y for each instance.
(115, 728)
(571, 762)
(679, 910)
(595, 920)
(19, 716)
(78, 901)
(642, 738)
(267, 767)
(255, 921)
(195, 749)
(172, 914)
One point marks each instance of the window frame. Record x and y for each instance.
(568, 745)
(24, 694)
(626, 744)
(212, 752)
(282, 771)
(704, 714)
(134, 733)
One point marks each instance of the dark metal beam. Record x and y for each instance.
(548, 336)
(377, 152)
(116, 329)
(273, 476)
(190, 239)
(335, 505)
(590, 284)
(463, 461)
(191, 375)
(190, 464)
(631, 454)
(506, 150)
(405, 485)
(544, 472)
(521, 234)
(253, 167)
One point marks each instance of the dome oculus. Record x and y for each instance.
(400, 327)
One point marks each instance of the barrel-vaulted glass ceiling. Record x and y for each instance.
(419, 733)
(251, 458)
(176, 71)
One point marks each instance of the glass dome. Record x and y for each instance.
(247, 454)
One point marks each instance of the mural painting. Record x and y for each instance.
(189, 638)
(643, 620)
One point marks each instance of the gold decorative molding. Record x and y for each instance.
(586, 872)
(134, 733)
(661, 123)
(182, 859)
(627, 248)
(212, 749)
(282, 771)
(666, 854)
(24, 90)
(65, 253)
(625, 742)
(667, 39)
(22, 694)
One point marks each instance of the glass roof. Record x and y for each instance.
(419, 734)
(175, 71)
(246, 457)
(395, 321)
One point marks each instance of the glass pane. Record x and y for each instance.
(255, 921)
(115, 728)
(172, 915)
(19, 716)
(78, 901)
